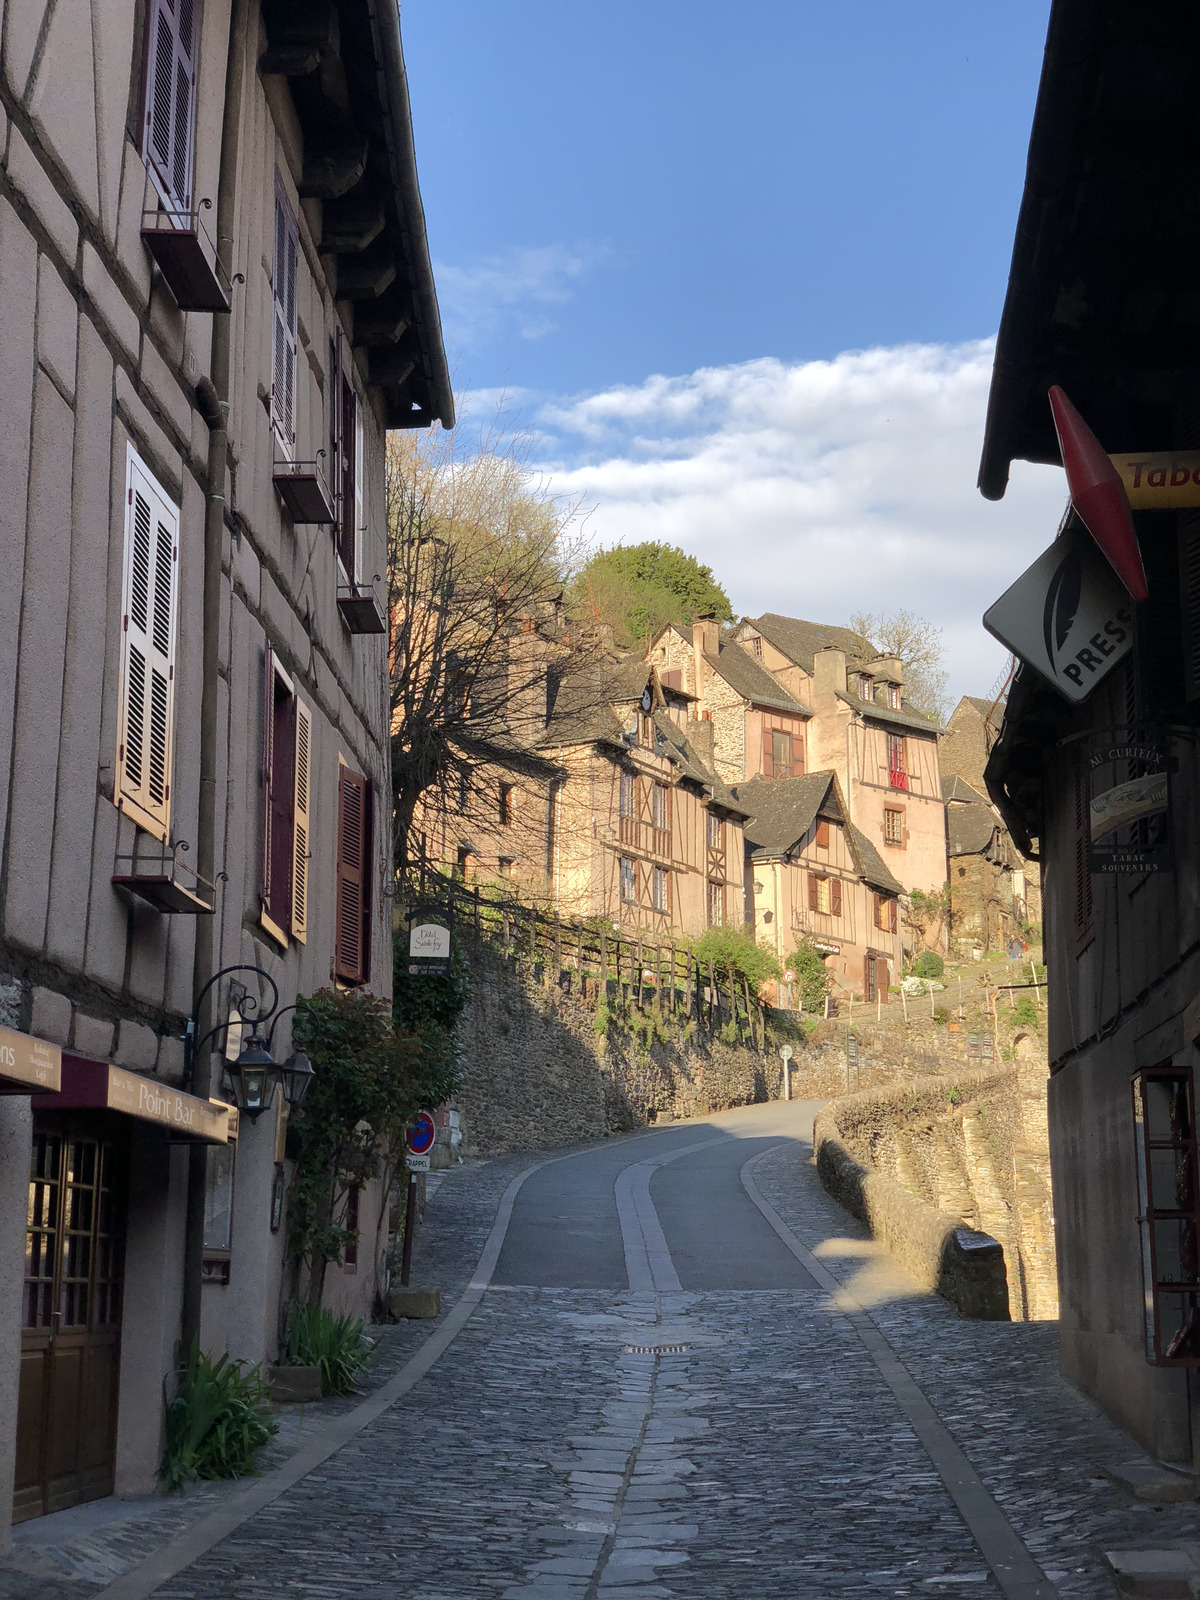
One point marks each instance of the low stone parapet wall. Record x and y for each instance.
(942, 1253)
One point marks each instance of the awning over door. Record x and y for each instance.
(28, 1065)
(97, 1086)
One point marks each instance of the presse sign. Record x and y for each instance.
(1068, 615)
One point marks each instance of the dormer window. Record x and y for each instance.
(865, 687)
(893, 696)
(756, 647)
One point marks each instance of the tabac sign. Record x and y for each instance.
(1069, 616)
(1129, 794)
(1160, 480)
(28, 1065)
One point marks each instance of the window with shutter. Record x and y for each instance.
(351, 962)
(283, 283)
(821, 839)
(768, 755)
(835, 897)
(169, 97)
(347, 520)
(287, 802)
(145, 710)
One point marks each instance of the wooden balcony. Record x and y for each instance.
(165, 882)
(302, 487)
(360, 609)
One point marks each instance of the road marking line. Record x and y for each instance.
(648, 1263)
(1015, 1569)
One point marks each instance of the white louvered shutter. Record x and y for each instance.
(169, 126)
(301, 813)
(359, 519)
(145, 715)
(286, 265)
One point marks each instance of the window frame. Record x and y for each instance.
(175, 189)
(898, 842)
(354, 879)
(1159, 1291)
(660, 890)
(287, 802)
(897, 761)
(627, 880)
(285, 312)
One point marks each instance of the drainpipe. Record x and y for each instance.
(849, 774)
(213, 400)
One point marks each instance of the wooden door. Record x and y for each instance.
(71, 1317)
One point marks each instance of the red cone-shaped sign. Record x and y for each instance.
(1098, 494)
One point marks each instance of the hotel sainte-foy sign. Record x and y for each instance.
(28, 1065)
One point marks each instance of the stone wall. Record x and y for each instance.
(541, 1067)
(972, 1149)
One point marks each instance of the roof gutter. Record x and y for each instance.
(402, 160)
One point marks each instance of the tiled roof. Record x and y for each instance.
(800, 641)
(752, 681)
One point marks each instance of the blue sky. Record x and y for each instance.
(731, 198)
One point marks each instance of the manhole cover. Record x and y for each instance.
(656, 1349)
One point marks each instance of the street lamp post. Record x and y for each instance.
(255, 1074)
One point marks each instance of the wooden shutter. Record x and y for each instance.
(768, 753)
(286, 266)
(813, 891)
(822, 838)
(268, 749)
(300, 822)
(169, 120)
(835, 897)
(145, 713)
(352, 868)
(347, 523)
(797, 754)
(877, 905)
(893, 915)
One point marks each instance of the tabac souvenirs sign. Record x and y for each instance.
(28, 1065)
(1069, 616)
(1129, 801)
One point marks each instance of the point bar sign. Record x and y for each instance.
(1068, 616)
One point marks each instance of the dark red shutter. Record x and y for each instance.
(812, 891)
(835, 897)
(352, 846)
(768, 753)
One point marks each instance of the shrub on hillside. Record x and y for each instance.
(928, 965)
(735, 955)
(810, 979)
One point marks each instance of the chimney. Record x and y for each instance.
(888, 668)
(706, 641)
(700, 737)
(526, 686)
(829, 672)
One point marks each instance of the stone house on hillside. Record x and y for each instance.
(603, 806)
(217, 297)
(786, 697)
(983, 909)
(810, 874)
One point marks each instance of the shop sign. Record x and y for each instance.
(97, 1086)
(28, 1065)
(1129, 801)
(1160, 480)
(826, 947)
(428, 948)
(1068, 616)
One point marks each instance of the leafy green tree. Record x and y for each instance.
(735, 955)
(639, 588)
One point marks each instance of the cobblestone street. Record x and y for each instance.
(654, 1397)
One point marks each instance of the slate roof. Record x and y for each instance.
(752, 681)
(782, 809)
(959, 789)
(969, 830)
(896, 719)
(871, 863)
(800, 641)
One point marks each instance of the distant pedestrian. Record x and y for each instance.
(1016, 948)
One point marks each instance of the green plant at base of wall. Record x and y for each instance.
(338, 1345)
(1025, 1012)
(370, 1078)
(218, 1417)
(928, 965)
(809, 976)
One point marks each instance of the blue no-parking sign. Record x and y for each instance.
(419, 1134)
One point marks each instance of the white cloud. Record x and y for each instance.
(817, 489)
(517, 288)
